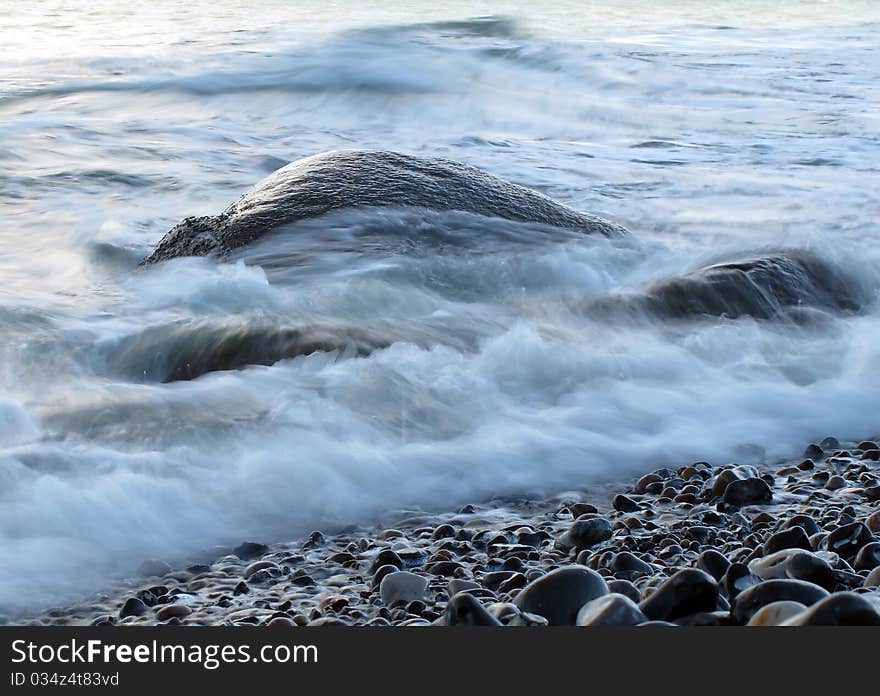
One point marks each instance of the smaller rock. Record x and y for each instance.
(791, 538)
(585, 533)
(835, 482)
(839, 609)
(610, 610)
(847, 540)
(133, 607)
(749, 601)
(750, 491)
(775, 613)
(714, 563)
(465, 610)
(686, 592)
(402, 586)
(170, 611)
(622, 503)
(559, 595)
(868, 557)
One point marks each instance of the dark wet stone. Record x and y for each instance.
(386, 557)
(805, 521)
(250, 549)
(750, 491)
(585, 533)
(559, 595)
(814, 452)
(714, 563)
(443, 531)
(642, 484)
(866, 445)
(170, 611)
(686, 592)
(835, 482)
(465, 610)
(328, 621)
(622, 503)
(153, 568)
(241, 588)
(840, 609)
(868, 557)
(579, 509)
(791, 538)
(626, 561)
(381, 572)
(262, 566)
(846, 541)
(752, 599)
(796, 564)
(737, 579)
(105, 620)
(626, 588)
(281, 622)
(133, 607)
(514, 582)
(447, 568)
(610, 610)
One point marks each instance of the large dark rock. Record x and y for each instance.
(361, 178)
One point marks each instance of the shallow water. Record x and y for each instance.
(711, 131)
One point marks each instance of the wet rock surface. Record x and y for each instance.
(700, 544)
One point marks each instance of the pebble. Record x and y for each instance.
(839, 609)
(847, 541)
(868, 557)
(250, 549)
(133, 607)
(714, 563)
(465, 610)
(750, 491)
(610, 610)
(585, 533)
(796, 564)
(752, 599)
(170, 611)
(560, 594)
(402, 586)
(791, 538)
(873, 579)
(686, 592)
(622, 503)
(775, 613)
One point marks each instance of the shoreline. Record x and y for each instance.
(797, 542)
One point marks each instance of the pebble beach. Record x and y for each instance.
(795, 544)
